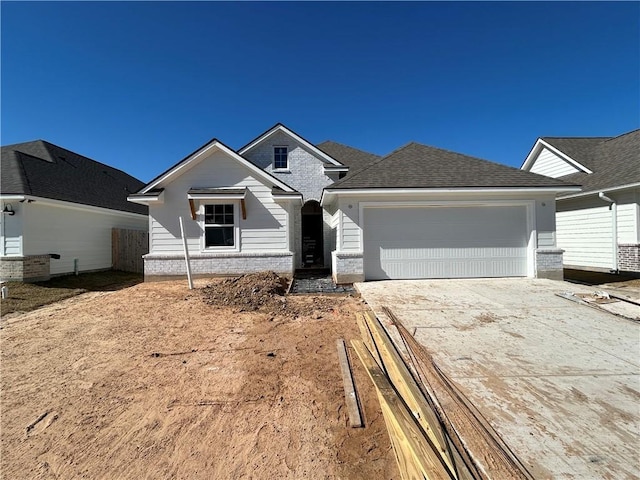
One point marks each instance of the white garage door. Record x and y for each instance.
(445, 242)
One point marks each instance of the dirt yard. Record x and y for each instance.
(156, 381)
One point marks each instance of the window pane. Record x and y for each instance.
(208, 214)
(280, 157)
(218, 237)
(220, 214)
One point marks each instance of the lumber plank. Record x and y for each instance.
(407, 431)
(404, 382)
(483, 452)
(365, 333)
(404, 459)
(351, 399)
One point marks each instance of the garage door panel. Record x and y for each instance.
(445, 242)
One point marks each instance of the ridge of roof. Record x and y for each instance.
(354, 158)
(432, 167)
(44, 169)
(614, 162)
(344, 145)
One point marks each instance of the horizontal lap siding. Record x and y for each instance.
(628, 218)
(263, 229)
(12, 231)
(73, 233)
(551, 165)
(585, 236)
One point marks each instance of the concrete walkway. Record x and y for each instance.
(559, 381)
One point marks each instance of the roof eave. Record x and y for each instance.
(329, 193)
(147, 199)
(198, 154)
(280, 127)
(598, 190)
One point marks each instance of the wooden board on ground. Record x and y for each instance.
(351, 399)
(424, 460)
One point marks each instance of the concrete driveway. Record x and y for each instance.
(559, 381)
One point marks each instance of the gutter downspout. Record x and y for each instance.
(614, 228)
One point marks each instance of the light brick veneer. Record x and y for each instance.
(32, 268)
(347, 267)
(157, 267)
(629, 257)
(549, 264)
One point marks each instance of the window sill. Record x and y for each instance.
(281, 170)
(219, 249)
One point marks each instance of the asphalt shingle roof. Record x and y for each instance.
(45, 170)
(613, 161)
(354, 158)
(421, 166)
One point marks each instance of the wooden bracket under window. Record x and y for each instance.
(193, 209)
(244, 209)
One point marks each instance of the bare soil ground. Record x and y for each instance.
(24, 297)
(156, 381)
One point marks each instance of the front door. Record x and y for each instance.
(312, 235)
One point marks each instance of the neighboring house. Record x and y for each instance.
(599, 227)
(282, 203)
(58, 211)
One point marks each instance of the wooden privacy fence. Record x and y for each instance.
(127, 249)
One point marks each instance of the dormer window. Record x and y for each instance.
(280, 158)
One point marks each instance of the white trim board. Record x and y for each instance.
(205, 152)
(281, 128)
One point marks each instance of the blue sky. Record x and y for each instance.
(140, 85)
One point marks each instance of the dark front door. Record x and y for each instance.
(312, 237)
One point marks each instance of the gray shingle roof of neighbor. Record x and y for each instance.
(614, 161)
(353, 158)
(421, 166)
(42, 169)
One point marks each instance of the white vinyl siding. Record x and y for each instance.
(445, 242)
(11, 230)
(264, 229)
(73, 233)
(585, 235)
(551, 165)
(628, 211)
(584, 229)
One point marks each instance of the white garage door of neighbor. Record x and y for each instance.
(445, 242)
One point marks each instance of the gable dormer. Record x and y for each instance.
(294, 160)
(545, 159)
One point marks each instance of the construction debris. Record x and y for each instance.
(264, 292)
(435, 432)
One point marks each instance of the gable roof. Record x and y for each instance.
(198, 155)
(613, 161)
(353, 158)
(421, 166)
(42, 169)
(279, 127)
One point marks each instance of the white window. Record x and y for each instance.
(219, 225)
(280, 158)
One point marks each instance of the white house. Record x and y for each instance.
(58, 211)
(282, 203)
(599, 227)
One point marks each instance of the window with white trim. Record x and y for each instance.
(219, 225)
(280, 158)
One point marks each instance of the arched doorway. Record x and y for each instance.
(312, 235)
